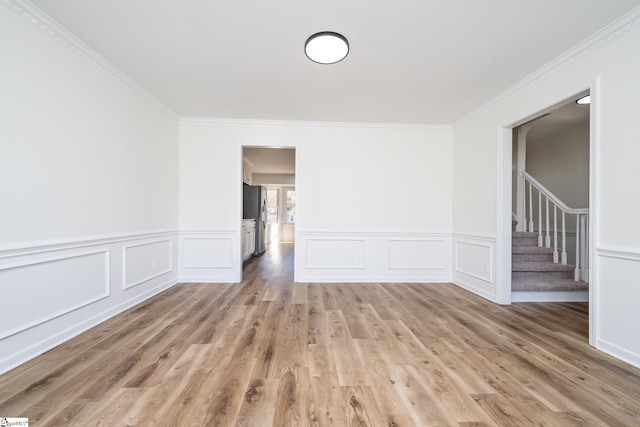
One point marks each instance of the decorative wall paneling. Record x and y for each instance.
(474, 264)
(210, 256)
(53, 291)
(373, 257)
(620, 301)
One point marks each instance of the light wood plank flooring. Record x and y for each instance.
(269, 351)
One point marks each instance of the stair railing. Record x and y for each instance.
(547, 198)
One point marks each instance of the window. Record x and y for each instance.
(291, 207)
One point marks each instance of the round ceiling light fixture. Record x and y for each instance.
(584, 100)
(326, 47)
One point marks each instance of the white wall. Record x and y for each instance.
(560, 162)
(88, 166)
(479, 174)
(368, 193)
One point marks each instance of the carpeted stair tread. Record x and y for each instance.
(524, 239)
(524, 234)
(532, 257)
(541, 266)
(531, 250)
(533, 269)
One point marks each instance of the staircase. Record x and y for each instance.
(539, 267)
(535, 277)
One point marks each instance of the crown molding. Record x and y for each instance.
(45, 23)
(617, 28)
(316, 124)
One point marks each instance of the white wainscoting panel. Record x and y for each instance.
(52, 291)
(146, 261)
(41, 290)
(474, 264)
(373, 257)
(617, 303)
(209, 256)
(418, 254)
(474, 259)
(207, 252)
(334, 254)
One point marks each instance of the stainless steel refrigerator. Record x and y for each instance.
(255, 206)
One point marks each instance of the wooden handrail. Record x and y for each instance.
(541, 188)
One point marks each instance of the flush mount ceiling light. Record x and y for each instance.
(584, 100)
(326, 47)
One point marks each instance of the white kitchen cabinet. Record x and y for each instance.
(247, 169)
(248, 238)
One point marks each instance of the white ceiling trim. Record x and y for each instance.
(317, 124)
(44, 22)
(620, 26)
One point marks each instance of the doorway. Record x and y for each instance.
(273, 170)
(550, 206)
(506, 138)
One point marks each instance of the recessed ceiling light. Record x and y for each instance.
(326, 47)
(584, 100)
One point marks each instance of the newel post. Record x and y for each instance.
(521, 161)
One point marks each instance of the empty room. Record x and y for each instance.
(275, 213)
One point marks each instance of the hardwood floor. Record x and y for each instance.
(269, 351)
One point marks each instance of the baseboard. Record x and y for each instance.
(474, 289)
(618, 352)
(370, 279)
(210, 278)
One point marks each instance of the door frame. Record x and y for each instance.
(241, 147)
(504, 202)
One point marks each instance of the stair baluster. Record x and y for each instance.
(544, 232)
(577, 271)
(540, 243)
(564, 241)
(530, 209)
(547, 242)
(555, 233)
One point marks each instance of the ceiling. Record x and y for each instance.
(271, 160)
(562, 119)
(413, 61)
